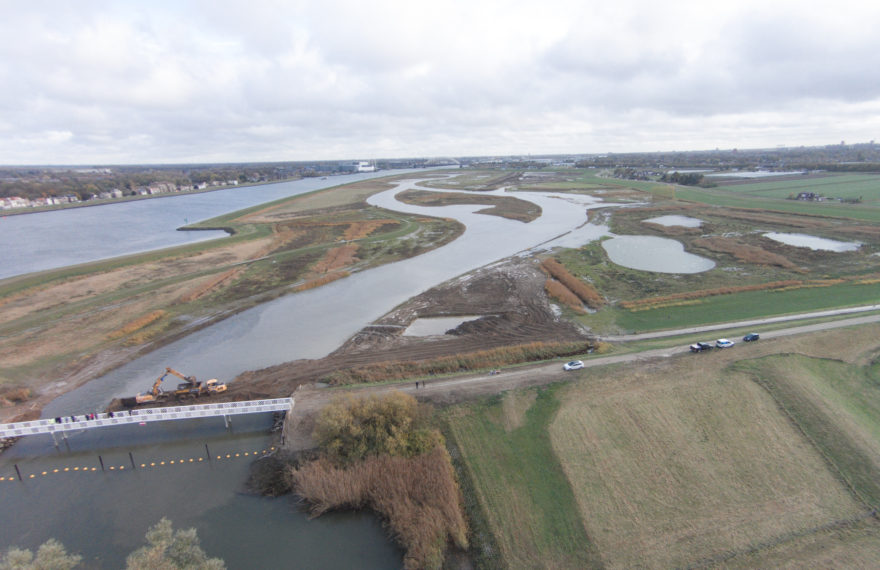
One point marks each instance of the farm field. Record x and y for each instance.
(688, 461)
(852, 186)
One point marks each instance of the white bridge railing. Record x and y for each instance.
(144, 415)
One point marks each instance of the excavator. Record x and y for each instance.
(190, 388)
(155, 394)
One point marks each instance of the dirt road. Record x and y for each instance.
(310, 399)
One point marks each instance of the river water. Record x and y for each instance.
(105, 514)
(58, 238)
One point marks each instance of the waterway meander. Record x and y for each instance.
(104, 515)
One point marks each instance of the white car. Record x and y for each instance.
(723, 343)
(573, 365)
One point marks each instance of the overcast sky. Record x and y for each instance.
(91, 82)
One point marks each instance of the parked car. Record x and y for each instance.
(573, 365)
(751, 336)
(700, 346)
(723, 343)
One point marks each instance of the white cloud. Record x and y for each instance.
(273, 80)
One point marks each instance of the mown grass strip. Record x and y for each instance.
(852, 465)
(521, 485)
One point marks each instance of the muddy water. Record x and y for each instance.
(104, 515)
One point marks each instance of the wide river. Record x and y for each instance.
(104, 515)
(46, 240)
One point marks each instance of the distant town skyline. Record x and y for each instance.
(123, 82)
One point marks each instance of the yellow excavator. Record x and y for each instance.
(190, 388)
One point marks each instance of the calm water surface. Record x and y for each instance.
(105, 515)
(46, 240)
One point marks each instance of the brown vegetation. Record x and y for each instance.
(669, 300)
(323, 280)
(585, 292)
(477, 360)
(564, 295)
(336, 257)
(379, 453)
(208, 286)
(418, 496)
(138, 324)
(744, 252)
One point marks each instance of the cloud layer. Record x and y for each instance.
(124, 82)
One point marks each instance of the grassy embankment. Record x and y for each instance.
(522, 497)
(56, 321)
(689, 463)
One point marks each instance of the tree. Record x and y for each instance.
(167, 549)
(50, 556)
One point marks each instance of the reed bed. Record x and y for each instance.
(564, 295)
(481, 359)
(584, 291)
(137, 324)
(655, 302)
(418, 497)
(336, 257)
(745, 253)
(318, 281)
(208, 286)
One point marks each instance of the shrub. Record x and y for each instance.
(418, 496)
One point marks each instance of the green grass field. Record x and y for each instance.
(866, 186)
(748, 305)
(689, 462)
(525, 496)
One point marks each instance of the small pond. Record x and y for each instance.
(813, 242)
(675, 220)
(436, 326)
(649, 253)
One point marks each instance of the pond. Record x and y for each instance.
(676, 220)
(436, 326)
(813, 242)
(648, 253)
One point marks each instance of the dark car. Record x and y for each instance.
(751, 336)
(700, 347)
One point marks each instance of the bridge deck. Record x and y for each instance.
(138, 416)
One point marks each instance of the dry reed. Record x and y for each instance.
(564, 295)
(419, 498)
(585, 292)
(137, 324)
(335, 258)
(323, 280)
(743, 252)
(482, 359)
(665, 299)
(208, 286)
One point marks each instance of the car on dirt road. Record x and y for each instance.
(700, 346)
(751, 337)
(723, 343)
(573, 365)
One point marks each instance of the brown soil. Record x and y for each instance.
(510, 297)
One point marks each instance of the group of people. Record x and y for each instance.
(91, 416)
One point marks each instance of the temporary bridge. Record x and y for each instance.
(65, 424)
